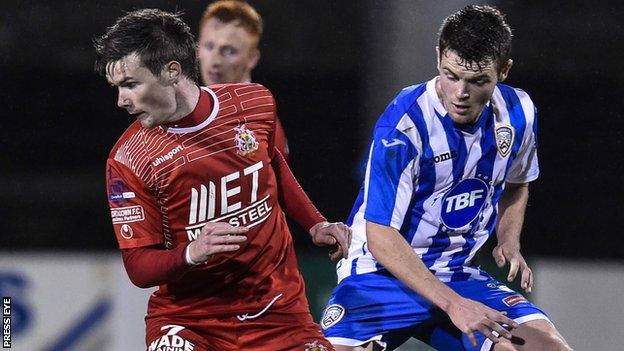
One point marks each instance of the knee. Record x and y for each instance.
(555, 343)
(544, 342)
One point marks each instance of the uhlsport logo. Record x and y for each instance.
(245, 140)
(462, 204)
(168, 156)
(126, 231)
(504, 139)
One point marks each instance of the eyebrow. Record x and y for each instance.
(477, 77)
(480, 76)
(120, 83)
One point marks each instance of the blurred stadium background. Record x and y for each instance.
(333, 66)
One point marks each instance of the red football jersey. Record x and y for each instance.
(166, 183)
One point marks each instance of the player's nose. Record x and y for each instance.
(214, 58)
(462, 90)
(122, 100)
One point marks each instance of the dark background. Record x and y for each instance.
(60, 119)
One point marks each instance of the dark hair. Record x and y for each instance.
(158, 37)
(477, 34)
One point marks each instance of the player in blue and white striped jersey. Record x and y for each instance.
(450, 160)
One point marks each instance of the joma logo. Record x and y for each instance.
(445, 156)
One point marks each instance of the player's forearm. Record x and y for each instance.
(292, 198)
(281, 142)
(152, 266)
(391, 250)
(512, 206)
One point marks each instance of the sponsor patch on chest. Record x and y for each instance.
(463, 203)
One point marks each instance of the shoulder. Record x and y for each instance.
(514, 96)
(130, 149)
(239, 90)
(244, 97)
(516, 101)
(402, 103)
(408, 96)
(131, 133)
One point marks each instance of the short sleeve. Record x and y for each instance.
(525, 166)
(389, 179)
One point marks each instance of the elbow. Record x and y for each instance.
(138, 280)
(373, 245)
(133, 260)
(140, 283)
(375, 241)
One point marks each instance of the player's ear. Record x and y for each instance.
(254, 57)
(505, 70)
(437, 49)
(172, 72)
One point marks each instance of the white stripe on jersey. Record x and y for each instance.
(446, 157)
(210, 118)
(406, 182)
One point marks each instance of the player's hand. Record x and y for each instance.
(216, 238)
(508, 252)
(471, 316)
(338, 235)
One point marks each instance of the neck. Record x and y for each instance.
(187, 97)
(246, 78)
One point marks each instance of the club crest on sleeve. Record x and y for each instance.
(245, 140)
(331, 316)
(504, 139)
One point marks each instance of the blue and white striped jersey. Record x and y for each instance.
(438, 183)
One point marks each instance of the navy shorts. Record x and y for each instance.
(378, 307)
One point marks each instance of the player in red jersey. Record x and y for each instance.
(229, 32)
(193, 188)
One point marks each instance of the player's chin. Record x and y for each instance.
(148, 122)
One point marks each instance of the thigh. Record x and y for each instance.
(372, 308)
(166, 334)
(282, 331)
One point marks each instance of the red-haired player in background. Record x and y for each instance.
(229, 33)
